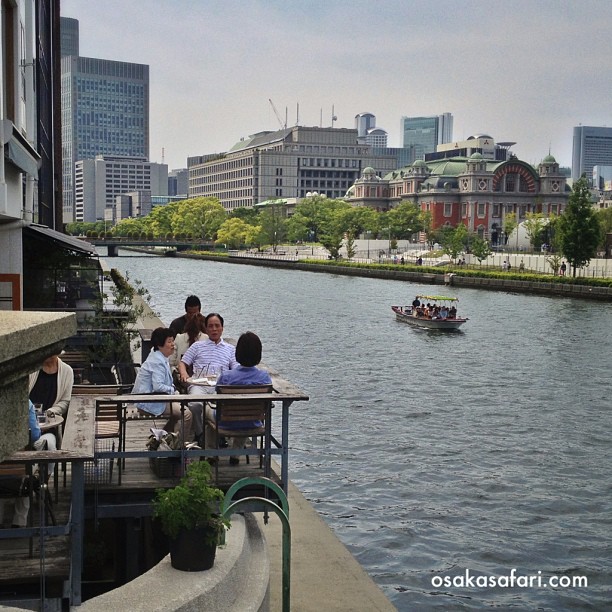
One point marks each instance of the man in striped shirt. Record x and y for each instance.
(206, 357)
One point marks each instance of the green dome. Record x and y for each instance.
(549, 159)
(419, 163)
(476, 156)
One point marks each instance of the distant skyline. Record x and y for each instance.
(525, 71)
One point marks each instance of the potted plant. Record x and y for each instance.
(189, 517)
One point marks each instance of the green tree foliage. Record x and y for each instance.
(405, 220)
(355, 221)
(159, 221)
(578, 227)
(201, 217)
(605, 222)
(310, 214)
(233, 232)
(510, 224)
(248, 215)
(273, 221)
(333, 225)
(129, 227)
(480, 249)
(453, 240)
(535, 226)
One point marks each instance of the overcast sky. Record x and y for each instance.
(526, 71)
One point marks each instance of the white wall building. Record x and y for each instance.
(99, 181)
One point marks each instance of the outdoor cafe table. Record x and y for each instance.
(283, 392)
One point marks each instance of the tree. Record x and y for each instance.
(357, 220)
(605, 222)
(535, 225)
(233, 232)
(453, 240)
(480, 249)
(405, 220)
(201, 217)
(578, 227)
(510, 224)
(333, 226)
(274, 223)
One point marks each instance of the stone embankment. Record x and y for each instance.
(457, 280)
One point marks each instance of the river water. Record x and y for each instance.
(440, 460)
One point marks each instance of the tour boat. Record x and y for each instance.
(431, 312)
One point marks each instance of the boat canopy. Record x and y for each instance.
(438, 298)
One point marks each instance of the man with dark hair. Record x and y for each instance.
(192, 306)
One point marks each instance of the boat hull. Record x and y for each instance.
(405, 316)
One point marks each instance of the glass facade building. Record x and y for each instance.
(424, 134)
(105, 111)
(592, 147)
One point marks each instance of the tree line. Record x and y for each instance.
(576, 235)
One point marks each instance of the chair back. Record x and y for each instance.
(232, 411)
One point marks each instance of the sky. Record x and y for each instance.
(526, 71)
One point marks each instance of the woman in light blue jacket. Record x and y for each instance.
(154, 377)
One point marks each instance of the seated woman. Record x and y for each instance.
(154, 376)
(51, 386)
(248, 355)
(195, 328)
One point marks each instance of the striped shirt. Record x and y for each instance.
(205, 353)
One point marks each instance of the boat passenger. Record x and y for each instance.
(155, 376)
(205, 357)
(194, 331)
(248, 356)
(443, 312)
(452, 313)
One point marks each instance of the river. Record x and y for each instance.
(440, 460)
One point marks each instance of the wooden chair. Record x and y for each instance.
(231, 412)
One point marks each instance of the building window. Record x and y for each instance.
(510, 182)
(496, 210)
(448, 209)
(481, 210)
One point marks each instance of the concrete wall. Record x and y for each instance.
(26, 339)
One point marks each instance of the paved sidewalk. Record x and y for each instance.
(324, 575)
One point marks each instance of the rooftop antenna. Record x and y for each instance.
(297, 114)
(163, 154)
(334, 118)
(321, 118)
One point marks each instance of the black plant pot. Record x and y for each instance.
(189, 551)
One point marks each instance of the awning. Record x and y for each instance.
(18, 151)
(64, 241)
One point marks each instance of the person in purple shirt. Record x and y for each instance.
(248, 355)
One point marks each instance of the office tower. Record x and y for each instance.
(99, 181)
(290, 163)
(105, 111)
(592, 147)
(178, 182)
(424, 134)
(368, 133)
(69, 36)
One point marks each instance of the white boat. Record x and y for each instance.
(431, 312)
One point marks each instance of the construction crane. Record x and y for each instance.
(280, 121)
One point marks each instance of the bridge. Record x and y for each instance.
(113, 243)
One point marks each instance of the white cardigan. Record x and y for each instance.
(65, 380)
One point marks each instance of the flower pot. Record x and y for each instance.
(189, 551)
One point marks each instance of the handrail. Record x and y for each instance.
(228, 507)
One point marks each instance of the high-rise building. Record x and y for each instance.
(178, 182)
(69, 36)
(99, 181)
(105, 111)
(424, 134)
(592, 147)
(368, 133)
